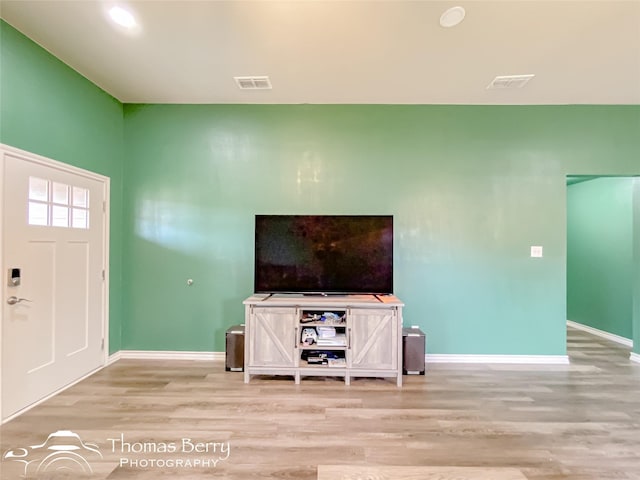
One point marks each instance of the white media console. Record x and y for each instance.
(356, 336)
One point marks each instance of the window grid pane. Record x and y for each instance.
(38, 213)
(80, 218)
(38, 189)
(60, 193)
(60, 217)
(80, 197)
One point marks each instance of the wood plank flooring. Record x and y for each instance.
(193, 420)
(343, 472)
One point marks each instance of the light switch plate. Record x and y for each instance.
(536, 251)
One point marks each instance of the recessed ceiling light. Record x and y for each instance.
(122, 17)
(452, 17)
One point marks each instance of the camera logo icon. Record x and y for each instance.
(62, 451)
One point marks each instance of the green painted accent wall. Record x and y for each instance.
(471, 189)
(636, 265)
(600, 254)
(49, 109)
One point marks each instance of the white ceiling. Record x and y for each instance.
(333, 51)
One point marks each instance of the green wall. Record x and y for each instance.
(471, 188)
(49, 109)
(600, 254)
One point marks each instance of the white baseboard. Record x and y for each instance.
(429, 358)
(514, 359)
(166, 355)
(627, 342)
(114, 357)
(634, 357)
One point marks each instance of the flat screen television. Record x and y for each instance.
(324, 254)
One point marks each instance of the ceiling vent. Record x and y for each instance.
(253, 83)
(510, 81)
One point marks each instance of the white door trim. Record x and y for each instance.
(48, 162)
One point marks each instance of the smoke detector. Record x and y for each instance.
(253, 83)
(509, 81)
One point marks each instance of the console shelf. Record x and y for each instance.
(366, 329)
(322, 347)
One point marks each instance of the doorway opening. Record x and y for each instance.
(603, 257)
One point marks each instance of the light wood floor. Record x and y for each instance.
(458, 422)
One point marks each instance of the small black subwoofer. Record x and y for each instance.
(234, 361)
(413, 351)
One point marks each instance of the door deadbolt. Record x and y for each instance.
(13, 277)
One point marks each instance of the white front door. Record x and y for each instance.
(53, 261)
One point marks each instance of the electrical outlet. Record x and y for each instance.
(536, 251)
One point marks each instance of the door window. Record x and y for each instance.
(53, 204)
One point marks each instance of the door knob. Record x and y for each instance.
(13, 300)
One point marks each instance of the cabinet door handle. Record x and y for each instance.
(349, 338)
(295, 339)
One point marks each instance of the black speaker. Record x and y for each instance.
(413, 351)
(235, 349)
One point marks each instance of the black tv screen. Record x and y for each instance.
(325, 254)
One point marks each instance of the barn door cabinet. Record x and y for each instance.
(345, 336)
